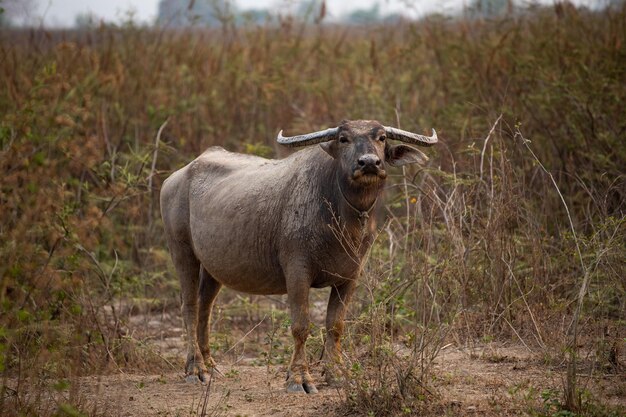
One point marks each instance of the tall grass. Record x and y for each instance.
(476, 245)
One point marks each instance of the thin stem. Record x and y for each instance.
(571, 401)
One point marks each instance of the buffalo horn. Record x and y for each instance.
(409, 137)
(308, 139)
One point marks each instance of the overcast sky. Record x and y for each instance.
(63, 12)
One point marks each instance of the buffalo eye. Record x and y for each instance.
(343, 139)
(382, 138)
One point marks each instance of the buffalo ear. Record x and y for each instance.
(330, 148)
(398, 155)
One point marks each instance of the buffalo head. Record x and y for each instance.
(362, 150)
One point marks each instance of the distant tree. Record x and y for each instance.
(181, 13)
(257, 16)
(490, 8)
(311, 10)
(86, 20)
(362, 16)
(615, 4)
(394, 18)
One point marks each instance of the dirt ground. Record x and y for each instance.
(490, 380)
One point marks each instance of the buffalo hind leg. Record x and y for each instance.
(298, 377)
(188, 268)
(335, 315)
(209, 288)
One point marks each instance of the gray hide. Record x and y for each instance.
(278, 226)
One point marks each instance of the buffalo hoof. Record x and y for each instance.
(300, 383)
(192, 379)
(295, 388)
(304, 388)
(202, 378)
(309, 388)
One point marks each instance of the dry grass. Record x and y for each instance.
(475, 246)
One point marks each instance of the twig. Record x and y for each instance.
(153, 168)
(406, 190)
(571, 400)
(523, 296)
(517, 334)
(246, 335)
(156, 153)
(482, 154)
(43, 268)
(206, 396)
(154, 352)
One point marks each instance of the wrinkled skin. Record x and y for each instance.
(277, 226)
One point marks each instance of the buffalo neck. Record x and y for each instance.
(358, 198)
(353, 202)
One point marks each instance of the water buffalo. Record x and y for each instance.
(264, 226)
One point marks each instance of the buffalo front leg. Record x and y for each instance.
(209, 288)
(298, 377)
(335, 315)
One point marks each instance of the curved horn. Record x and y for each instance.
(308, 139)
(413, 138)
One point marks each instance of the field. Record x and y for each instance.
(496, 285)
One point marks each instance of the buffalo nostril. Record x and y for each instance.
(361, 162)
(377, 162)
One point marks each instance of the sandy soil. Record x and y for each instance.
(489, 380)
(493, 379)
(251, 392)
